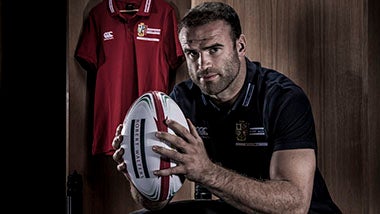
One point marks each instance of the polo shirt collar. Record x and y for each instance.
(144, 9)
(246, 94)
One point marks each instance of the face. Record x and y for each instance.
(212, 59)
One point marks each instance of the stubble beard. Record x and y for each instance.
(226, 78)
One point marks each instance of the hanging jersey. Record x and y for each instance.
(131, 53)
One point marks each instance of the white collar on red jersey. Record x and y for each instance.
(144, 7)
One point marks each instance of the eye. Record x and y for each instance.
(192, 54)
(213, 50)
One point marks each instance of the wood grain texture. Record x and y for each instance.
(330, 48)
(373, 119)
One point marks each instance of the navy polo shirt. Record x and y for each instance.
(271, 113)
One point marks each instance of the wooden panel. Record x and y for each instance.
(343, 51)
(373, 120)
(330, 48)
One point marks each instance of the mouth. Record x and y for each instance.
(208, 77)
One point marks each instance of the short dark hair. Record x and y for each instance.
(207, 12)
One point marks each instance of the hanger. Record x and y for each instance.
(129, 11)
(130, 8)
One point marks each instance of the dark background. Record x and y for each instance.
(32, 105)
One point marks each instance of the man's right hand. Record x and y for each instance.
(118, 154)
(121, 167)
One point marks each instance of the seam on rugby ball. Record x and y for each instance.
(161, 126)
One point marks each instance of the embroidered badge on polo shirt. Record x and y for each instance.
(144, 32)
(249, 136)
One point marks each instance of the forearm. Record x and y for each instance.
(252, 196)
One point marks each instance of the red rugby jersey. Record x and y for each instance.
(131, 53)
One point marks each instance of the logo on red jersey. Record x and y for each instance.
(108, 35)
(147, 33)
(141, 28)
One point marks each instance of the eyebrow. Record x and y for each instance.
(216, 45)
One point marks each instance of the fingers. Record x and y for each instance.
(122, 167)
(180, 130)
(118, 129)
(190, 154)
(118, 155)
(183, 136)
(181, 141)
(174, 155)
(169, 171)
(174, 140)
(176, 127)
(193, 130)
(170, 153)
(118, 137)
(119, 152)
(117, 141)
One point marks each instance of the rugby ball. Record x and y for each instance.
(144, 118)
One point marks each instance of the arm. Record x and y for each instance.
(288, 190)
(121, 167)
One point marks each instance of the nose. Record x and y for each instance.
(204, 62)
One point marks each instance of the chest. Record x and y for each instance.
(237, 140)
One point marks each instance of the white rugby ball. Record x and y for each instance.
(144, 118)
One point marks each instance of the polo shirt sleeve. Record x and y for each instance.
(88, 50)
(291, 123)
(173, 49)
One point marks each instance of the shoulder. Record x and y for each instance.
(99, 8)
(188, 97)
(286, 110)
(267, 78)
(184, 90)
(273, 85)
(279, 96)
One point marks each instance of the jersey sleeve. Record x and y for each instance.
(173, 49)
(291, 123)
(87, 50)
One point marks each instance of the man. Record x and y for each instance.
(252, 139)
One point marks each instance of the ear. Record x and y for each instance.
(241, 45)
